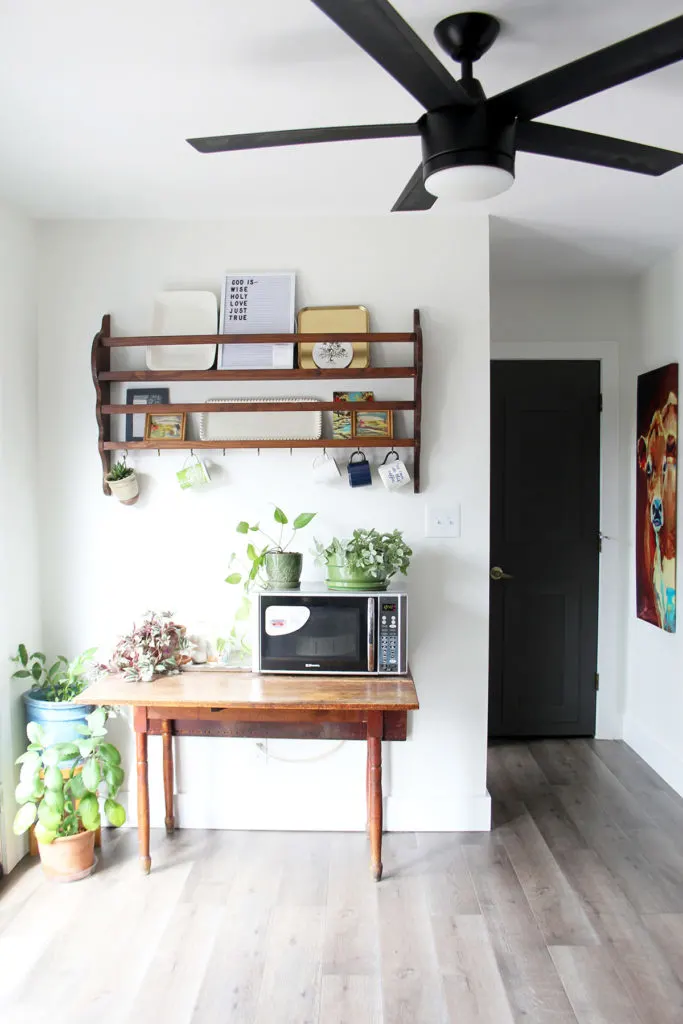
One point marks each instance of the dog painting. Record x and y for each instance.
(656, 497)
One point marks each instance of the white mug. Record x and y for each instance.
(325, 469)
(393, 474)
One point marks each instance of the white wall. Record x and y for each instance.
(103, 564)
(585, 319)
(654, 708)
(19, 606)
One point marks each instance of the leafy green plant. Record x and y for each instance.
(119, 471)
(62, 681)
(256, 558)
(233, 643)
(378, 555)
(65, 804)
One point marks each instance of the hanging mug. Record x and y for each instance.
(359, 472)
(393, 474)
(194, 475)
(325, 469)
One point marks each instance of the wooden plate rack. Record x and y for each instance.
(103, 376)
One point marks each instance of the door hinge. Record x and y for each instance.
(600, 402)
(597, 680)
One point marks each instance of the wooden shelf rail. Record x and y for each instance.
(103, 376)
(321, 442)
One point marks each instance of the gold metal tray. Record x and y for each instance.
(334, 320)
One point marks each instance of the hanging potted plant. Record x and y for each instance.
(123, 483)
(49, 701)
(63, 805)
(367, 561)
(273, 567)
(158, 646)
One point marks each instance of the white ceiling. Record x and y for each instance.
(97, 100)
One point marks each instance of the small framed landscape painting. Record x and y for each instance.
(169, 427)
(374, 423)
(342, 422)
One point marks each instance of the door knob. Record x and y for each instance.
(496, 573)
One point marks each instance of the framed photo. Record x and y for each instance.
(342, 422)
(135, 424)
(165, 427)
(374, 423)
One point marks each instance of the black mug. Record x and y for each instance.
(359, 472)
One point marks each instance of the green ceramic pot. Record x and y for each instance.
(340, 577)
(283, 569)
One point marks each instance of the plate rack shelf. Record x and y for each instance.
(104, 376)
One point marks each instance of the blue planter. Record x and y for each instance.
(58, 718)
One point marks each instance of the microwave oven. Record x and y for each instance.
(319, 631)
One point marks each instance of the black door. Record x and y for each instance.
(545, 507)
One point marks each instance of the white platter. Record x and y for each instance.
(183, 312)
(297, 425)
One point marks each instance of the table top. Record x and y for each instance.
(251, 690)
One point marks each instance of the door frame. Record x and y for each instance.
(611, 661)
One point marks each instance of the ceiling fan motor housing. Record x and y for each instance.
(458, 136)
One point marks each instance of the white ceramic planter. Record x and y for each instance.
(126, 490)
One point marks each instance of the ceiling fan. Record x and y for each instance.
(468, 141)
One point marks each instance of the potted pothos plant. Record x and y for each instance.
(49, 701)
(123, 482)
(272, 566)
(63, 804)
(157, 646)
(366, 561)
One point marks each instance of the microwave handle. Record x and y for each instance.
(371, 634)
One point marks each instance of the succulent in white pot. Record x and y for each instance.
(123, 483)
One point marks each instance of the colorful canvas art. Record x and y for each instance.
(656, 497)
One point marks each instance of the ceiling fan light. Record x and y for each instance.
(469, 182)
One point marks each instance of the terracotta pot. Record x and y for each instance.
(70, 858)
(126, 490)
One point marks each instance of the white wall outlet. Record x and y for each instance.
(442, 521)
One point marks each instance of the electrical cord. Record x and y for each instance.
(263, 747)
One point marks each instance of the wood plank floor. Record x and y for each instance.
(570, 910)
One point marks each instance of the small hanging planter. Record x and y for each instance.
(123, 483)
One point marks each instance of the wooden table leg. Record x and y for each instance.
(143, 802)
(167, 742)
(367, 790)
(375, 731)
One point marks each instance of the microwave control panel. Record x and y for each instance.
(388, 635)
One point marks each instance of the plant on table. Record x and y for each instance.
(367, 559)
(272, 566)
(157, 646)
(65, 803)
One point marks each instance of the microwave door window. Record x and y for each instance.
(319, 637)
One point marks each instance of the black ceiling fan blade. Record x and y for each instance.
(568, 144)
(648, 51)
(414, 196)
(379, 30)
(298, 137)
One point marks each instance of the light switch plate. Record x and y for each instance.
(442, 520)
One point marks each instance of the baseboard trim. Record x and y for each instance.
(460, 813)
(666, 762)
